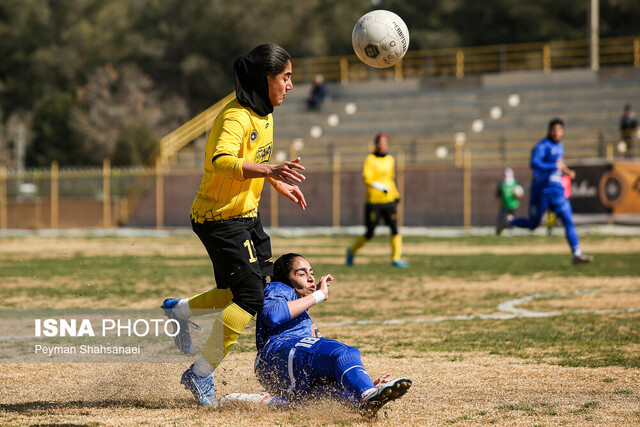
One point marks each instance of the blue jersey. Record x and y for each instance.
(274, 322)
(544, 158)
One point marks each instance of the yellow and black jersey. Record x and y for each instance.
(239, 134)
(379, 173)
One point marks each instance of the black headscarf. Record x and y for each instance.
(252, 87)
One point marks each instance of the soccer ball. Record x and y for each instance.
(380, 38)
(518, 191)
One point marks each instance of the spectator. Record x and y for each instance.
(629, 128)
(318, 94)
(508, 198)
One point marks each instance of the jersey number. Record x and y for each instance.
(249, 245)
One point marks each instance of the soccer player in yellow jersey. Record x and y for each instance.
(225, 215)
(379, 173)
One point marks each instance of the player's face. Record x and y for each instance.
(279, 85)
(301, 277)
(556, 133)
(382, 145)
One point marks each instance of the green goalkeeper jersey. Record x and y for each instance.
(506, 192)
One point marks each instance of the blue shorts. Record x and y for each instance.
(297, 368)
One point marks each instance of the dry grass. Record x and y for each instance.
(478, 390)
(449, 388)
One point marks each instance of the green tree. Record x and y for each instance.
(53, 137)
(135, 146)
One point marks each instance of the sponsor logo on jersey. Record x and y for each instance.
(264, 154)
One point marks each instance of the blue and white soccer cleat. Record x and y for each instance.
(201, 387)
(183, 337)
(399, 263)
(370, 404)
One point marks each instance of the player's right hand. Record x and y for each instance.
(289, 171)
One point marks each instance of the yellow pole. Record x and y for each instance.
(546, 57)
(400, 180)
(398, 71)
(159, 195)
(106, 191)
(467, 188)
(459, 63)
(636, 52)
(609, 152)
(55, 206)
(3, 197)
(344, 71)
(274, 207)
(336, 190)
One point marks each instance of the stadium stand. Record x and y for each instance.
(423, 115)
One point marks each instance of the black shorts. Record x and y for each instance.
(387, 211)
(237, 248)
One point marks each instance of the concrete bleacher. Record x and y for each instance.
(423, 115)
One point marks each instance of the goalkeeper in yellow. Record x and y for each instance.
(379, 173)
(225, 216)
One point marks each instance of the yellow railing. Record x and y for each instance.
(200, 124)
(544, 56)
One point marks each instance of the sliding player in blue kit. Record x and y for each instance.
(547, 165)
(294, 362)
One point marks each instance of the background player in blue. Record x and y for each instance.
(294, 362)
(547, 165)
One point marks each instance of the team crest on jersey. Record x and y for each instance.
(264, 154)
(254, 135)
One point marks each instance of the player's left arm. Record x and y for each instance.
(565, 169)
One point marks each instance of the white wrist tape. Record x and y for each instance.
(319, 296)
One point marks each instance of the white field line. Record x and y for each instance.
(508, 308)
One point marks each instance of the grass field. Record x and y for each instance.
(493, 331)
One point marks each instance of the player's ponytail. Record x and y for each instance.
(283, 266)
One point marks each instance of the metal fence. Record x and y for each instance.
(544, 56)
(158, 197)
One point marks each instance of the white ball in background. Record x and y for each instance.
(495, 113)
(298, 144)
(478, 125)
(622, 147)
(460, 138)
(316, 132)
(514, 100)
(281, 156)
(350, 108)
(441, 152)
(333, 120)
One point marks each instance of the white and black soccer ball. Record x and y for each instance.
(380, 38)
